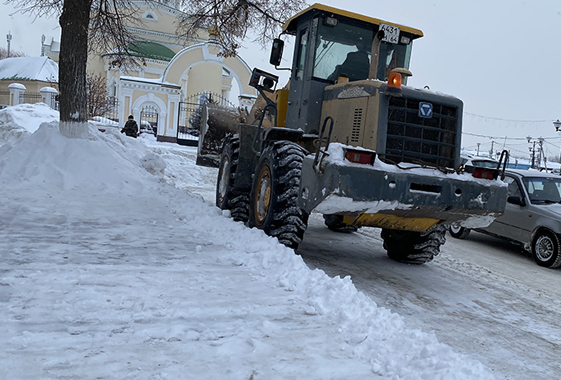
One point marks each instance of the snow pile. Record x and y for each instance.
(104, 121)
(23, 119)
(112, 271)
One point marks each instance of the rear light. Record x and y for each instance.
(394, 80)
(485, 173)
(360, 156)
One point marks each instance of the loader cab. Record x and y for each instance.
(332, 44)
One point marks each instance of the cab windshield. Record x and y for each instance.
(543, 190)
(345, 49)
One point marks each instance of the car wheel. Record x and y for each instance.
(545, 249)
(458, 232)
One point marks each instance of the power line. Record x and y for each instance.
(506, 137)
(507, 120)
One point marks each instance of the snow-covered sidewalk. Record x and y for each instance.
(109, 271)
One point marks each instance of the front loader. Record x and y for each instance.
(349, 140)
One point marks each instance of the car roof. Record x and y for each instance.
(482, 159)
(470, 157)
(532, 173)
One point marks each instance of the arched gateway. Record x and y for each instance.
(195, 69)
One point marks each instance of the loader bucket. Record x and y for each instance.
(218, 122)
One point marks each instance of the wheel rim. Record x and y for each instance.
(544, 248)
(263, 196)
(224, 178)
(455, 228)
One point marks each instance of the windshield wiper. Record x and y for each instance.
(544, 201)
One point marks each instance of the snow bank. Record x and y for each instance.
(21, 120)
(143, 272)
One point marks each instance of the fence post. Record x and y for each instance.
(48, 95)
(16, 93)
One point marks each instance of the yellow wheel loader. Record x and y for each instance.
(349, 139)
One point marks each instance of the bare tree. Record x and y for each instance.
(86, 25)
(4, 53)
(102, 26)
(234, 19)
(97, 95)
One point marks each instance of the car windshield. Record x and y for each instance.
(543, 190)
(484, 164)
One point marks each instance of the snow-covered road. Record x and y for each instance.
(481, 296)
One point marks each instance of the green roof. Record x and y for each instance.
(152, 50)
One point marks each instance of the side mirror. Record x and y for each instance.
(516, 200)
(276, 52)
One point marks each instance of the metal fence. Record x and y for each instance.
(26, 98)
(190, 112)
(149, 119)
(30, 98)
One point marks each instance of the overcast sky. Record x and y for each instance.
(499, 56)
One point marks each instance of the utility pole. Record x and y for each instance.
(541, 153)
(532, 150)
(557, 125)
(9, 38)
(534, 155)
(478, 148)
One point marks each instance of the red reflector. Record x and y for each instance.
(485, 173)
(360, 156)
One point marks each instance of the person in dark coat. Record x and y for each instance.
(130, 128)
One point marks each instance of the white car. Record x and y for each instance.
(472, 162)
(532, 216)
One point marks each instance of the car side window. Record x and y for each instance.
(513, 187)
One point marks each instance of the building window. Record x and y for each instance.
(150, 16)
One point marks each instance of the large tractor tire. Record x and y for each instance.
(414, 247)
(226, 197)
(273, 205)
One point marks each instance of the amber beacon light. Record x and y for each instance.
(394, 81)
